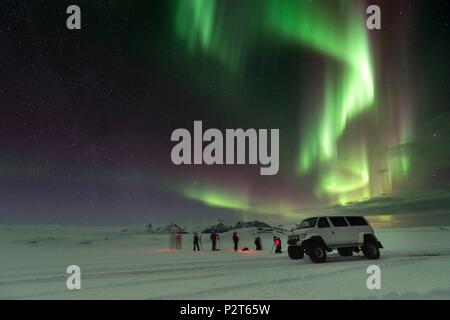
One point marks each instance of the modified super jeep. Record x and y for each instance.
(319, 235)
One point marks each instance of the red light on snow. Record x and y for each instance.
(250, 252)
(164, 250)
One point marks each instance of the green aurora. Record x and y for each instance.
(343, 163)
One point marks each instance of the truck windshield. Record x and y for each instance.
(308, 223)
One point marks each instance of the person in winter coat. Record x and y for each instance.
(258, 243)
(178, 240)
(196, 241)
(277, 244)
(236, 240)
(214, 240)
(172, 240)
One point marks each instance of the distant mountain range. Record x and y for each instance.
(220, 227)
(165, 229)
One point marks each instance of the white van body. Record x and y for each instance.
(346, 234)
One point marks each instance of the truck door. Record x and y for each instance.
(325, 230)
(342, 234)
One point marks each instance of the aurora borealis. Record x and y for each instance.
(336, 31)
(363, 114)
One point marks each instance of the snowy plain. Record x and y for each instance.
(115, 264)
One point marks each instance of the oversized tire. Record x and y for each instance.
(295, 252)
(317, 253)
(371, 250)
(345, 252)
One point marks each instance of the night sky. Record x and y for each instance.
(87, 115)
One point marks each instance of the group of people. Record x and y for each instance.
(176, 239)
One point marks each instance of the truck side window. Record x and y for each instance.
(323, 223)
(339, 221)
(356, 221)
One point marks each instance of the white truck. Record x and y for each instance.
(319, 235)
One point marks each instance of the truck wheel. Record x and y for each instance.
(371, 250)
(295, 252)
(345, 252)
(317, 253)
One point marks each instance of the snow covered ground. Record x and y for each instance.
(415, 264)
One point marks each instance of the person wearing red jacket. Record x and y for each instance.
(277, 244)
(214, 240)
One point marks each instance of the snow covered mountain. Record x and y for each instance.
(165, 229)
(221, 227)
